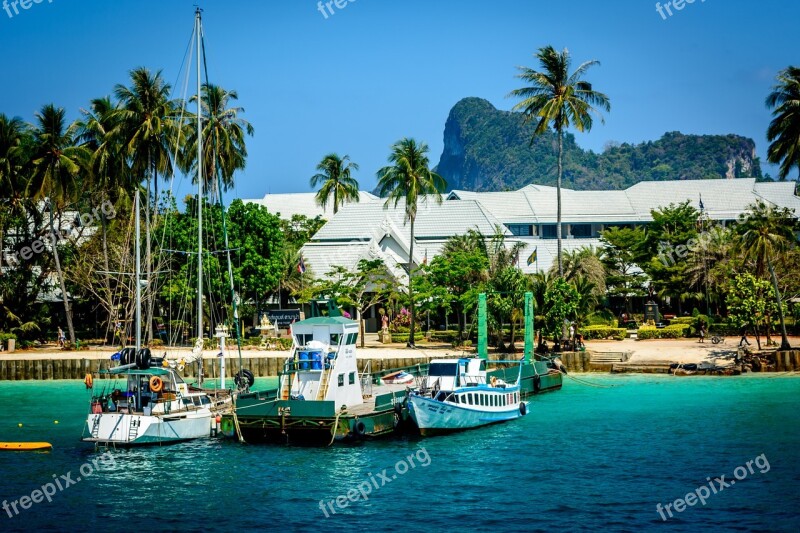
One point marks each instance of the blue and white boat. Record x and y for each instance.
(455, 395)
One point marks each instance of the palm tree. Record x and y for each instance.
(57, 161)
(224, 147)
(585, 262)
(148, 130)
(334, 176)
(14, 135)
(407, 178)
(98, 130)
(766, 232)
(784, 130)
(556, 97)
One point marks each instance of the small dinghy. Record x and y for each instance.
(25, 446)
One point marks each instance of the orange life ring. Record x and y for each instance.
(88, 381)
(156, 384)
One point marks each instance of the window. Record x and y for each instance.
(352, 378)
(352, 338)
(483, 400)
(341, 380)
(581, 231)
(455, 398)
(470, 398)
(521, 230)
(549, 231)
(443, 369)
(335, 339)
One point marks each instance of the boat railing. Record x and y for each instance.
(366, 380)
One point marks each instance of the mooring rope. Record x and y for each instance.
(590, 384)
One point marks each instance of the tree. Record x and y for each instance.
(620, 256)
(668, 241)
(362, 288)
(57, 162)
(765, 233)
(784, 130)
(556, 97)
(98, 130)
(149, 133)
(224, 146)
(585, 262)
(560, 304)
(336, 181)
(748, 299)
(408, 178)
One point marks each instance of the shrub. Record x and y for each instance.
(682, 320)
(698, 320)
(674, 331)
(447, 335)
(603, 317)
(4, 337)
(156, 343)
(647, 332)
(403, 337)
(603, 332)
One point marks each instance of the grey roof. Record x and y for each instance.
(302, 203)
(723, 199)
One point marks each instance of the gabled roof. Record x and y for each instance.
(302, 203)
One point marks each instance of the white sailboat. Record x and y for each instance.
(155, 405)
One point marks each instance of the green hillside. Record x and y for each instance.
(489, 150)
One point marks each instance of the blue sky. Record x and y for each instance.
(378, 70)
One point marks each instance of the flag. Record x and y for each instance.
(301, 266)
(532, 257)
(702, 207)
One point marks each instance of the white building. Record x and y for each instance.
(368, 230)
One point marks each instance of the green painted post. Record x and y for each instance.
(483, 351)
(528, 326)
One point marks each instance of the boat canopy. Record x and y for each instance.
(155, 371)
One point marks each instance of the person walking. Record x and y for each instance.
(744, 340)
(702, 333)
(61, 337)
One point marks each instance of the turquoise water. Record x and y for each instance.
(585, 458)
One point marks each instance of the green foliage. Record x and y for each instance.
(750, 301)
(335, 181)
(491, 150)
(403, 337)
(299, 229)
(682, 320)
(560, 303)
(602, 317)
(603, 332)
(647, 333)
(674, 331)
(621, 253)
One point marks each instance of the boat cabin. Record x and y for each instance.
(322, 365)
(450, 374)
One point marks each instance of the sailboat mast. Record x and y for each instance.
(199, 192)
(138, 272)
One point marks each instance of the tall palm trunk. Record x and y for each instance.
(410, 343)
(558, 200)
(67, 310)
(335, 200)
(784, 338)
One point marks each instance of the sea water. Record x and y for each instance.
(603, 453)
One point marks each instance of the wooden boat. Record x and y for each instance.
(456, 395)
(25, 446)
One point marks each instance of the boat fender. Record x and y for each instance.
(537, 383)
(359, 429)
(88, 381)
(143, 357)
(156, 384)
(493, 381)
(523, 409)
(245, 375)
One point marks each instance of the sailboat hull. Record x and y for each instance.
(137, 430)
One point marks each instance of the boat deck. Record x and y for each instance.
(368, 407)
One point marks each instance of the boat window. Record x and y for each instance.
(455, 398)
(352, 378)
(196, 400)
(335, 339)
(187, 401)
(470, 398)
(481, 399)
(443, 369)
(204, 400)
(352, 338)
(304, 338)
(341, 380)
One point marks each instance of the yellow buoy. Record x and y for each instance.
(55, 421)
(25, 446)
(19, 425)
